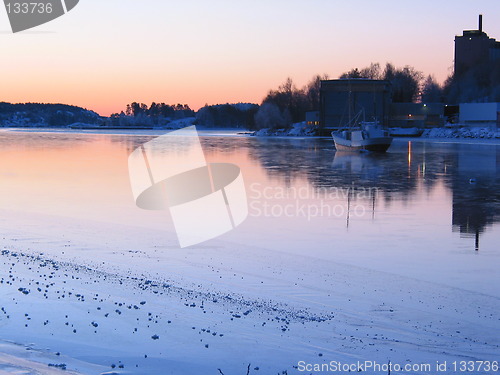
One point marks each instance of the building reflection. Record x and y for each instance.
(476, 191)
(395, 174)
(470, 172)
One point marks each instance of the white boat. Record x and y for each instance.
(366, 137)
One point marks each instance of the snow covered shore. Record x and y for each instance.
(461, 132)
(303, 130)
(300, 129)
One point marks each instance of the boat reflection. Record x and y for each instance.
(471, 174)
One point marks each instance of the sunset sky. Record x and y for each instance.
(107, 53)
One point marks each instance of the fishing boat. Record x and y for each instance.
(362, 136)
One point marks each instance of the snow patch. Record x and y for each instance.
(299, 129)
(461, 132)
(181, 123)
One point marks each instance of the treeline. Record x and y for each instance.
(156, 114)
(288, 104)
(406, 82)
(478, 84)
(42, 114)
(159, 110)
(240, 115)
(280, 108)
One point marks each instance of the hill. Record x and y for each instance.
(43, 115)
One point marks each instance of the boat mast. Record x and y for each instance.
(349, 102)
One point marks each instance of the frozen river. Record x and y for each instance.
(343, 257)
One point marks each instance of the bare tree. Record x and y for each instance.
(291, 101)
(431, 91)
(353, 73)
(269, 116)
(312, 91)
(479, 83)
(373, 71)
(405, 82)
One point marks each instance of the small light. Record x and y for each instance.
(425, 105)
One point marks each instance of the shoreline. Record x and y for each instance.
(18, 358)
(234, 132)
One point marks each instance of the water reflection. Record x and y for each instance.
(476, 191)
(64, 165)
(318, 162)
(470, 172)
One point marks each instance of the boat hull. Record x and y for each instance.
(379, 144)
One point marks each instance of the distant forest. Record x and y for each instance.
(156, 114)
(480, 83)
(280, 108)
(288, 104)
(42, 115)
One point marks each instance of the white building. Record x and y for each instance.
(480, 114)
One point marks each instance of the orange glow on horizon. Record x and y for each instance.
(199, 53)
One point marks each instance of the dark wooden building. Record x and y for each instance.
(342, 99)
